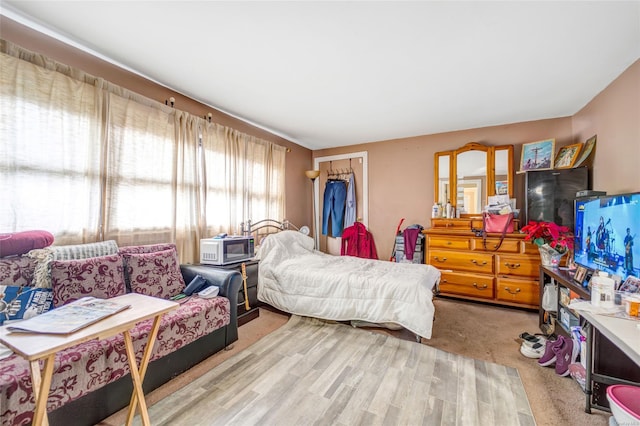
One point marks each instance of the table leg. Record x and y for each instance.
(41, 388)
(588, 386)
(138, 372)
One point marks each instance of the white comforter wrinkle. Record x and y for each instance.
(295, 278)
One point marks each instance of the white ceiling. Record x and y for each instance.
(327, 74)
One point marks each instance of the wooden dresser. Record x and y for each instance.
(471, 270)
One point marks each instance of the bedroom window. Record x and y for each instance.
(89, 161)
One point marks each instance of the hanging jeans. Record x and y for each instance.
(335, 194)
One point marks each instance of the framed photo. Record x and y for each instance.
(580, 275)
(567, 156)
(631, 285)
(587, 151)
(537, 155)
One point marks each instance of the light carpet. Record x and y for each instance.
(316, 372)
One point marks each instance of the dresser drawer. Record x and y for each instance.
(465, 261)
(519, 266)
(440, 223)
(462, 284)
(525, 292)
(449, 243)
(507, 246)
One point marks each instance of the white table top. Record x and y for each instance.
(624, 333)
(34, 346)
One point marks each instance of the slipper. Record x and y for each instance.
(530, 337)
(541, 341)
(532, 352)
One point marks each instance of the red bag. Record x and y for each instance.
(498, 223)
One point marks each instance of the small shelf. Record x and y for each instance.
(606, 363)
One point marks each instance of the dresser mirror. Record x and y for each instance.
(503, 170)
(471, 162)
(474, 172)
(442, 172)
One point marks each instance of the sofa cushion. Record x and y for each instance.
(17, 270)
(100, 277)
(149, 248)
(154, 274)
(18, 243)
(43, 257)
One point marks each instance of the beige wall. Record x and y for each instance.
(614, 115)
(401, 170)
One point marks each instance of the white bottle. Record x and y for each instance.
(447, 212)
(435, 212)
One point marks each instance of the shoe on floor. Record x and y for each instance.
(533, 338)
(539, 341)
(535, 351)
(549, 356)
(565, 356)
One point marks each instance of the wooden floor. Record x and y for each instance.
(319, 373)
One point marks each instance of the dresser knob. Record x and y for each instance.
(484, 262)
(512, 265)
(482, 287)
(516, 291)
(444, 259)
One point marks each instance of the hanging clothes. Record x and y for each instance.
(358, 242)
(350, 208)
(411, 234)
(335, 194)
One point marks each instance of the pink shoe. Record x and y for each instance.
(549, 356)
(565, 356)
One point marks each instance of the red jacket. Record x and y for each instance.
(357, 241)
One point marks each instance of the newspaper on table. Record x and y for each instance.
(70, 317)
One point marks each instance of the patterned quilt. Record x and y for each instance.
(96, 363)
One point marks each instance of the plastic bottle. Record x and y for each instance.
(447, 212)
(435, 212)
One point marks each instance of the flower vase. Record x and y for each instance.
(549, 257)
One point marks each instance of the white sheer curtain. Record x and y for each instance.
(140, 168)
(49, 151)
(243, 179)
(88, 161)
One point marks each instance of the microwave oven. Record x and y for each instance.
(223, 251)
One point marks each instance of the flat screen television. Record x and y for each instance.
(606, 234)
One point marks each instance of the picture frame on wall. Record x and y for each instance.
(588, 151)
(537, 155)
(567, 156)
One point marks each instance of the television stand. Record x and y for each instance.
(609, 359)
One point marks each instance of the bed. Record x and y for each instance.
(295, 278)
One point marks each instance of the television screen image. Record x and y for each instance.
(605, 234)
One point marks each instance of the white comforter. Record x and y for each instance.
(295, 278)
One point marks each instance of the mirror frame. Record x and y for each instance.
(436, 172)
(509, 149)
(473, 146)
(491, 169)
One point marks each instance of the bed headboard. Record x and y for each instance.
(249, 227)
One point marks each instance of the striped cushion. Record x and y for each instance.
(84, 251)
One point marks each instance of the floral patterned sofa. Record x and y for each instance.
(91, 381)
